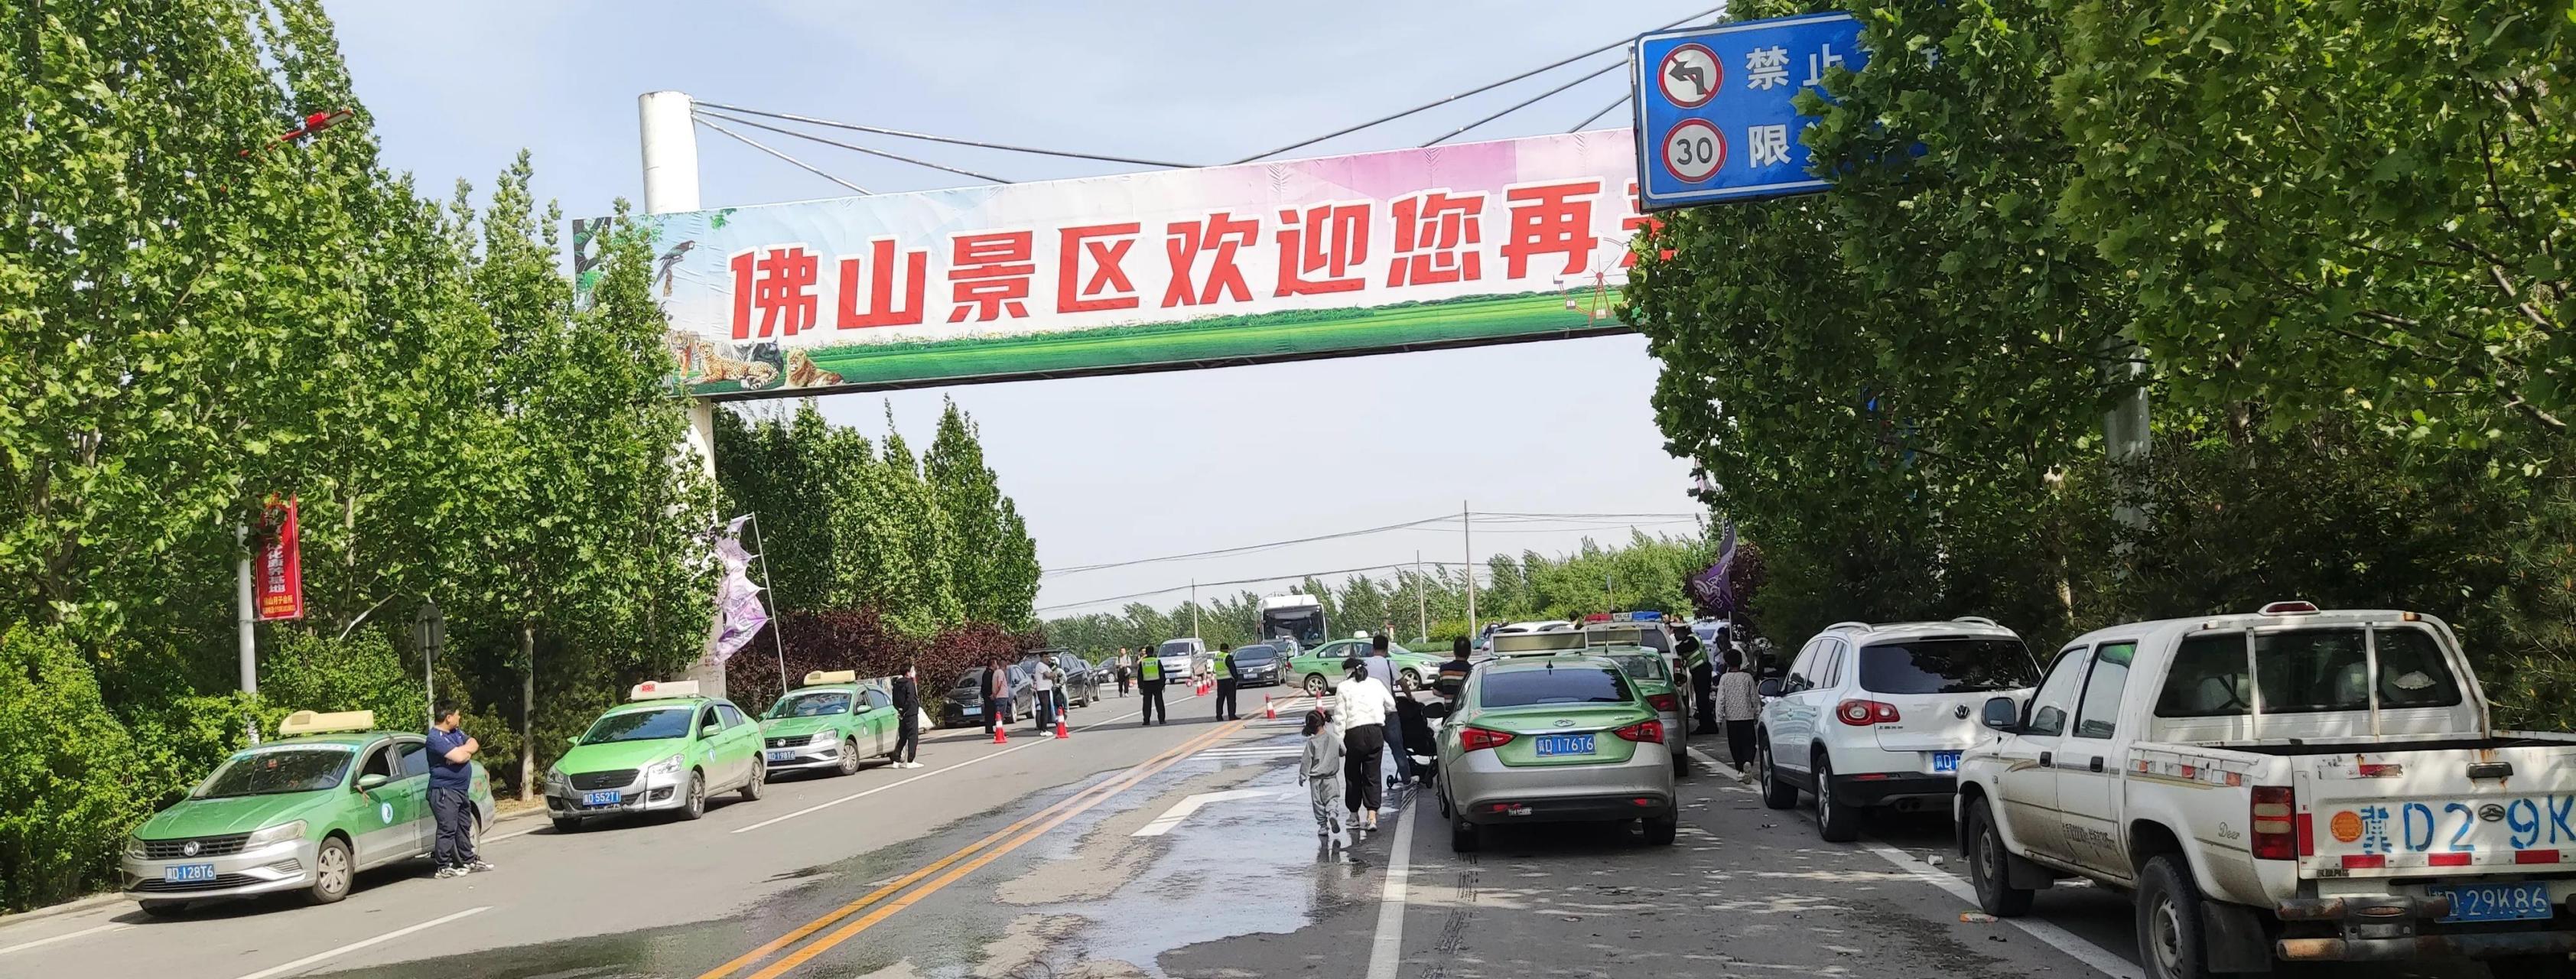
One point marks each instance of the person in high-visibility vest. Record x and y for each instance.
(1703, 679)
(1149, 683)
(1223, 667)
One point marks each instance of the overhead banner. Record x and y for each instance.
(1492, 242)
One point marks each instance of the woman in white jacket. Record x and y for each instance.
(1363, 704)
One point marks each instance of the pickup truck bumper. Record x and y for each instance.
(2401, 928)
(1875, 789)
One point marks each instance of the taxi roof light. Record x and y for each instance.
(1553, 641)
(831, 676)
(663, 689)
(312, 722)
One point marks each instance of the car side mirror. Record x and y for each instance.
(2002, 714)
(1435, 710)
(710, 729)
(372, 781)
(1767, 688)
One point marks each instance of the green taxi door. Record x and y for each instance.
(738, 744)
(877, 713)
(383, 821)
(413, 755)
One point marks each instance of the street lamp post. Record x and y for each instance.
(429, 632)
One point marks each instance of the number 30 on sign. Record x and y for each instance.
(1694, 150)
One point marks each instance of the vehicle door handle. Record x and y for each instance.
(2044, 758)
(2097, 763)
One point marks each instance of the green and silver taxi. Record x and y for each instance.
(1553, 738)
(1319, 668)
(832, 722)
(666, 750)
(1652, 672)
(331, 797)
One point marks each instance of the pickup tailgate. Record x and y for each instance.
(2451, 812)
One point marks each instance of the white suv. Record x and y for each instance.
(1876, 715)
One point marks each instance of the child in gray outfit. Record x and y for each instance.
(1320, 770)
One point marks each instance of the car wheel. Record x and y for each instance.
(2169, 940)
(1681, 760)
(759, 783)
(331, 872)
(1464, 836)
(1989, 867)
(1315, 686)
(694, 804)
(1660, 830)
(163, 909)
(567, 824)
(1408, 681)
(849, 756)
(1836, 820)
(1776, 794)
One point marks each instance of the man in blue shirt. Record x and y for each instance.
(451, 778)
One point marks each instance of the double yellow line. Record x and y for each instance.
(959, 864)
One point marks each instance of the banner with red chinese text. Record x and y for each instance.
(1493, 242)
(278, 569)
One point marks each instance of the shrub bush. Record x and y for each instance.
(71, 784)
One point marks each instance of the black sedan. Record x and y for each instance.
(965, 700)
(1081, 680)
(1260, 665)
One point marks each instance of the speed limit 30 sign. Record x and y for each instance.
(1693, 151)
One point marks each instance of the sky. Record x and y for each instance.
(1105, 469)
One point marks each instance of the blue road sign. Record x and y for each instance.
(1714, 119)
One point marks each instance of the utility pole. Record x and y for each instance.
(1194, 608)
(1609, 592)
(246, 621)
(1421, 599)
(1467, 528)
(2124, 429)
(670, 150)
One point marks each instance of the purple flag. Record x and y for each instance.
(1710, 588)
(738, 604)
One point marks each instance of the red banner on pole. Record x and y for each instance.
(280, 568)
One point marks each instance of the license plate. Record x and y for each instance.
(970, 711)
(782, 754)
(1945, 761)
(2495, 902)
(608, 797)
(1553, 745)
(188, 873)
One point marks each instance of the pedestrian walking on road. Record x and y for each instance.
(1739, 704)
(1364, 704)
(1126, 670)
(1149, 684)
(997, 694)
(1048, 676)
(1381, 668)
(451, 778)
(1321, 773)
(907, 704)
(1703, 676)
(1222, 665)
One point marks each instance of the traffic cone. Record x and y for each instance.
(1061, 732)
(1269, 711)
(1001, 734)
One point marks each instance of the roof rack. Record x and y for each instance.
(1862, 626)
(1978, 619)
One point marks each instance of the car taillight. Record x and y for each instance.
(1863, 713)
(1664, 702)
(1479, 739)
(2276, 836)
(1643, 731)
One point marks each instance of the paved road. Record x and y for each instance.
(1171, 851)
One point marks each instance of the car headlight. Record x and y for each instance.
(556, 779)
(134, 848)
(279, 833)
(666, 766)
(819, 737)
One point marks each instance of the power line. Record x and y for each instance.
(879, 130)
(1526, 103)
(1399, 565)
(1711, 12)
(1605, 110)
(856, 149)
(758, 145)
(1591, 521)
(1247, 548)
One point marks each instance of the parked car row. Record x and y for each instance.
(964, 703)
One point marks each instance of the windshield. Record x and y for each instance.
(2306, 671)
(278, 770)
(640, 725)
(1255, 654)
(1944, 666)
(1643, 666)
(1557, 685)
(1306, 625)
(820, 703)
(1177, 647)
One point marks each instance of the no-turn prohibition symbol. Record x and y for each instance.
(1690, 75)
(1693, 151)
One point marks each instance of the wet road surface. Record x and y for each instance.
(1187, 850)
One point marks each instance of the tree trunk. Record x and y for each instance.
(528, 712)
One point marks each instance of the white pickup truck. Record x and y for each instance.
(2293, 785)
